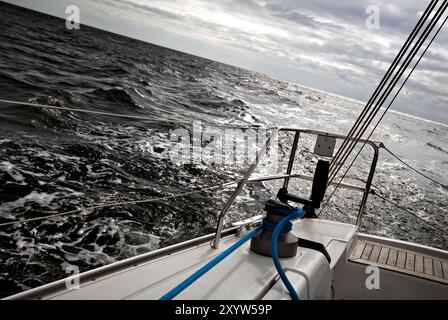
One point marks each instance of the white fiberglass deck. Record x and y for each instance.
(242, 275)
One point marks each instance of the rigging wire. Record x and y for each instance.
(384, 80)
(334, 162)
(434, 226)
(122, 203)
(146, 118)
(106, 205)
(412, 168)
(381, 118)
(343, 149)
(390, 87)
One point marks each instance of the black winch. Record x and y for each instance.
(278, 208)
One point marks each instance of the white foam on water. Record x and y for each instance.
(8, 167)
(43, 199)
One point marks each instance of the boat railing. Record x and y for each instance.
(290, 175)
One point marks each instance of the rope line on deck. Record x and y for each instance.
(282, 226)
(208, 266)
(285, 222)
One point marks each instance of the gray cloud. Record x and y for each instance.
(124, 4)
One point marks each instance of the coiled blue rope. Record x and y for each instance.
(285, 222)
(187, 282)
(270, 226)
(283, 226)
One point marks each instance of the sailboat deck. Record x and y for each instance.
(242, 275)
(400, 260)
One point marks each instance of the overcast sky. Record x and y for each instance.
(317, 43)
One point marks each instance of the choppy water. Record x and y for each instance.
(55, 161)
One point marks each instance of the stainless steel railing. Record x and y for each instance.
(289, 175)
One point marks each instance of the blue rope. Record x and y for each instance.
(270, 226)
(199, 273)
(283, 226)
(297, 213)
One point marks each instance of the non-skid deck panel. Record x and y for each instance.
(400, 260)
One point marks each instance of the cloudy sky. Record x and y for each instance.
(323, 44)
